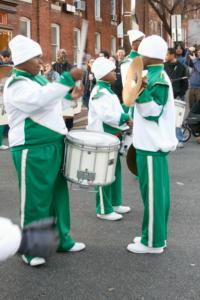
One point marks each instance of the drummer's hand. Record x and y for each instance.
(77, 92)
(130, 123)
(144, 83)
(76, 73)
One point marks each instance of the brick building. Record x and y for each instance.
(57, 24)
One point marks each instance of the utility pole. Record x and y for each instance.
(129, 21)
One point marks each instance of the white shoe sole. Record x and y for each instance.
(143, 249)
(121, 211)
(137, 239)
(36, 261)
(77, 247)
(105, 217)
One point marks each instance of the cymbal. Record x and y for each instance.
(131, 160)
(133, 81)
(5, 70)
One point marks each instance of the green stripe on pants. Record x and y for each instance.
(111, 194)
(154, 188)
(43, 189)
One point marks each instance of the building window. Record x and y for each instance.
(77, 39)
(25, 27)
(113, 7)
(55, 40)
(97, 43)
(113, 45)
(98, 9)
(3, 19)
(28, 1)
(5, 37)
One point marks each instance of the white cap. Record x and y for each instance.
(23, 49)
(101, 67)
(153, 46)
(134, 35)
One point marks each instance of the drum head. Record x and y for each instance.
(92, 138)
(131, 160)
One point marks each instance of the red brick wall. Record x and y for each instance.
(42, 18)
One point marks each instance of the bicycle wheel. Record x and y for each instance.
(186, 133)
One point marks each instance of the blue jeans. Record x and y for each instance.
(179, 134)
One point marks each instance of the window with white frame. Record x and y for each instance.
(113, 45)
(97, 9)
(25, 27)
(97, 42)
(55, 40)
(113, 7)
(77, 39)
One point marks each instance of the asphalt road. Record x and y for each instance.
(106, 270)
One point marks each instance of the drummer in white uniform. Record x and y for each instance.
(135, 38)
(36, 138)
(106, 115)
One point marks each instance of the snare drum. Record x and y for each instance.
(180, 112)
(90, 157)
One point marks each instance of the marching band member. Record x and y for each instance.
(105, 114)
(135, 38)
(154, 137)
(36, 138)
(38, 238)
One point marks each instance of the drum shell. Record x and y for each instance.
(85, 164)
(179, 112)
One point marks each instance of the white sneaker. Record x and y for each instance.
(4, 147)
(142, 249)
(77, 247)
(180, 145)
(137, 239)
(110, 217)
(121, 209)
(35, 261)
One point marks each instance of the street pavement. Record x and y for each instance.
(106, 270)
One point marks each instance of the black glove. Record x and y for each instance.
(39, 238)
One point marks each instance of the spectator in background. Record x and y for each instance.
(193, 61)
(49, 73)
(181, 53)
(61, 63)
(89, 82)
(60, 66)
(117, 85)
(120, 55)
(6, 57)
(177, 73)
(104, 53)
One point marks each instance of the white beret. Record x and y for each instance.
(101, 67)
(134, 35)
(153, 46)
(23, 49)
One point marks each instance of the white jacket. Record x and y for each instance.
(26, 99)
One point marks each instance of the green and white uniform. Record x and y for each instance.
(105, 112)
(126, 63)
(154, 137)
(36, 138)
